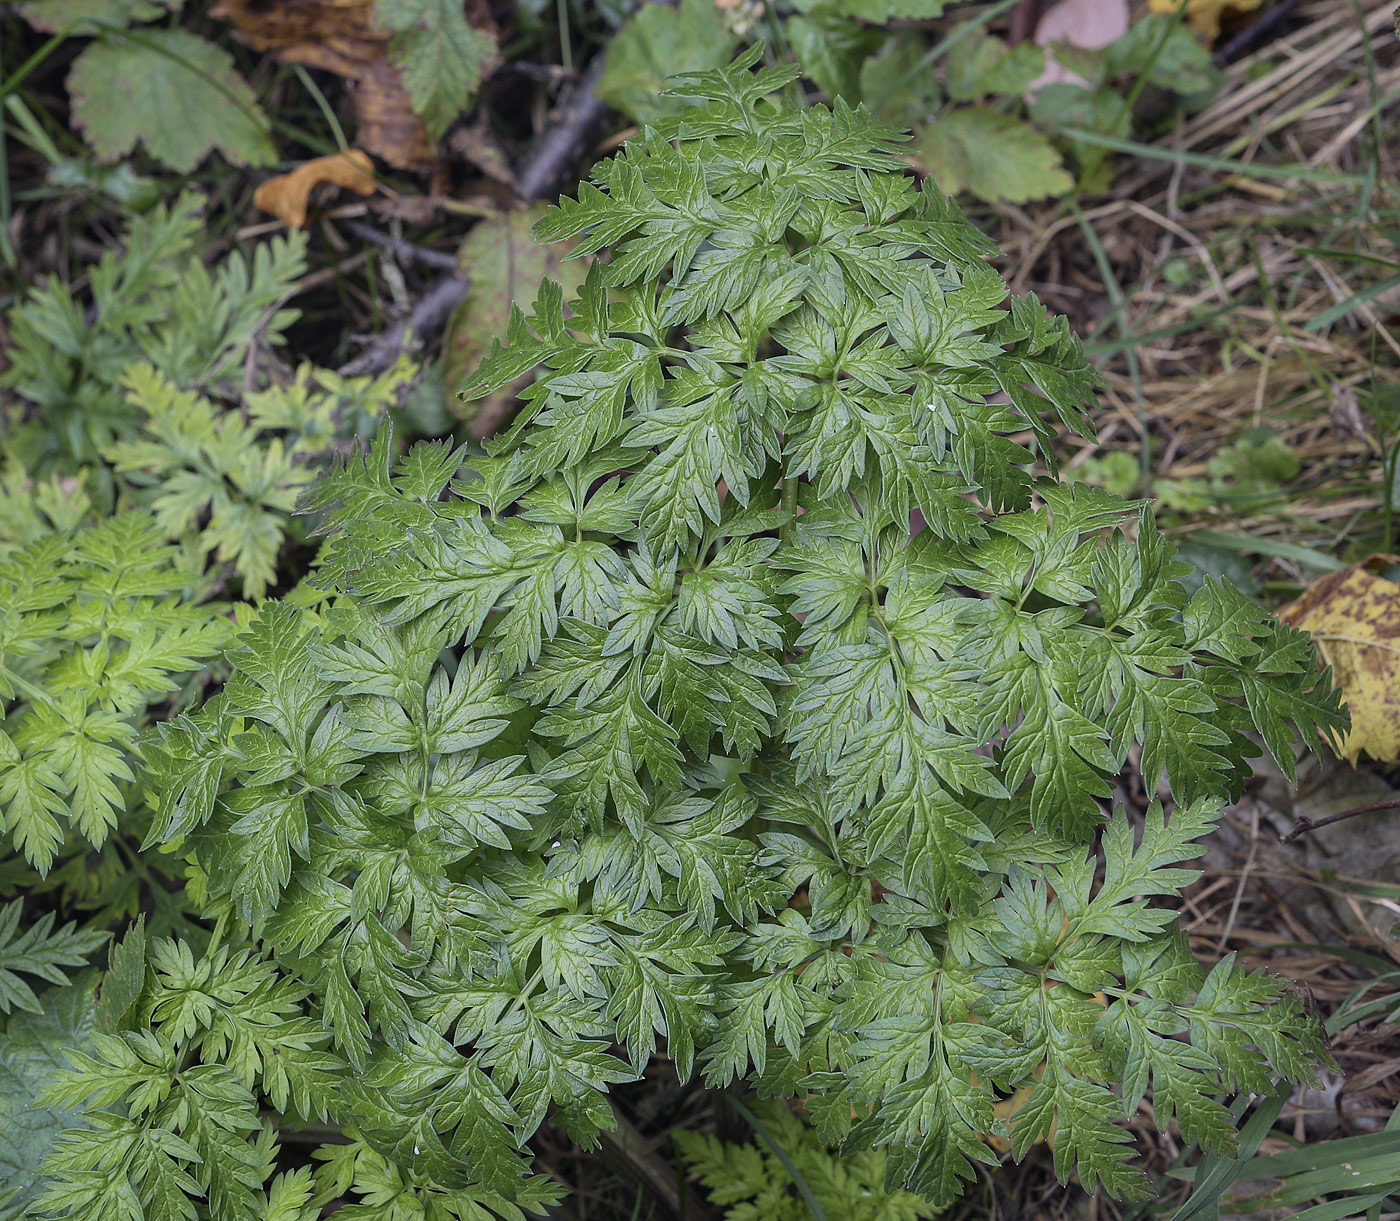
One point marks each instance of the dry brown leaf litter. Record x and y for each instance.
(340, 36)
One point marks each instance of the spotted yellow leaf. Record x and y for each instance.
(1205, 15)
(1354, 619)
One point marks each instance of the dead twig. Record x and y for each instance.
(554, 159)
(429, 316)
(1303, 825)
(1255, 33)
(402, 249)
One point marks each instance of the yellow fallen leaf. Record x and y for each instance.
(1354, 619)
(286, 196)
(1205, 15)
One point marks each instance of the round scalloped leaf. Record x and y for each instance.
(996, 156)
(175, 93)
(73, 17)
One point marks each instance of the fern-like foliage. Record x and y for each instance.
(750, 704)
(41, 952)
(753, 1183)
(142, 393)
(172, 1097)
(98, 622)
(226, 481)
(153, 300)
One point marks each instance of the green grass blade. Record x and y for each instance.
(1310, 1158)
(1246, 169)
(1338, 1210)
(1216, 1173)
(1354, 302)
(1306, 557)
(1339, 1174)
(781, 1154)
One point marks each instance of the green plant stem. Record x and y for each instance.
(566, 47)
(327, 111)
(17, 77)
(789, 504)
(39, 139)
(1373, 162)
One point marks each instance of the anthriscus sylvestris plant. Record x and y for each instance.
(665, 730)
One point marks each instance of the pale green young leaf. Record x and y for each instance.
(991, 154)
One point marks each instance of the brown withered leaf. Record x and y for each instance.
(385, 121)
(341, 36)
(336, 35)
(1354, 619)
(477, 144)
(288, 195)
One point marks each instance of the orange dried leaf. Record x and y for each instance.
(1354, 619)
(287, 195)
